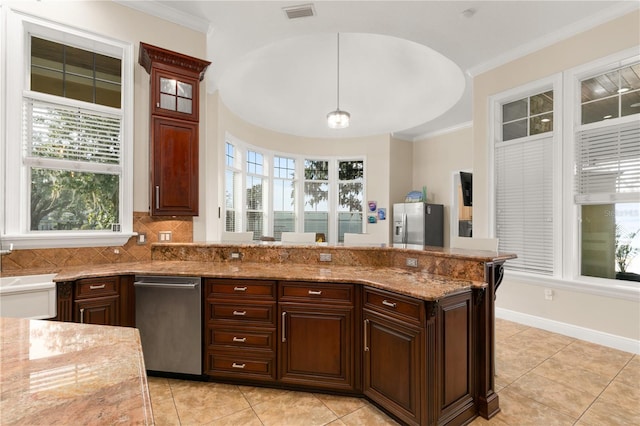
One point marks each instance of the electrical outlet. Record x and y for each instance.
(236, 255)
(325, 257)
(412, 261)
(548, 294)
(164, 236)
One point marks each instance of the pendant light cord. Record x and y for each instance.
(338, 72)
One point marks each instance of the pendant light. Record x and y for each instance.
(338, 119)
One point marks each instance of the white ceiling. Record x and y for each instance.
(281, 74)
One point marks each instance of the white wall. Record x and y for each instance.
(435, 161)
(573, 308)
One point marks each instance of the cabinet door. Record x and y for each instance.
(101, 311)
(392, 369)
(174, 94)
(316, 346)
(454, 359)
(174, 161)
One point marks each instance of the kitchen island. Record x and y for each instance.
(67, 373)
(412, 330)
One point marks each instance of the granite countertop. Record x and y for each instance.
(61, 373)
(417, 284)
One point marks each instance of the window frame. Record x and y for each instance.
(567, 263)
(241, 148)
(572, 217)
(553, 83)
(16, 229)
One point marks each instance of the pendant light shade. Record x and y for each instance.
(338, 119)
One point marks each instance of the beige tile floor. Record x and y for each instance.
(542, 378)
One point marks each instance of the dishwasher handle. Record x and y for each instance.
(185, 286)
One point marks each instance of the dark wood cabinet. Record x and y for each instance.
(101, 310)
(393, 345)
(175, 167)
(316, 335)
(240, 329)
(103, 301)
(174, 106)
(454, 359)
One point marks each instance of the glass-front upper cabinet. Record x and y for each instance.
(175, 95)
(175, 80)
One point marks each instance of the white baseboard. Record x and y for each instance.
(582, 333)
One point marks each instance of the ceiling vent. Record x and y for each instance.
(299, 11)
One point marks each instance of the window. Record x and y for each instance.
(350, 197)
(524, 174)
(71, 174)
(607, 174)
(290, 193)
(255, 192)
(316, 196)
(232, 185)
(528, 116)
(284, 196)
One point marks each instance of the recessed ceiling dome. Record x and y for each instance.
(387, 84)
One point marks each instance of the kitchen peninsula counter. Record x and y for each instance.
(417, 284)
(439, 272)
(62, 373)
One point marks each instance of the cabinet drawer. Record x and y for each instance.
(96, 287)
(241, 289)
(317, 292)
(394, 304)
(244, 313)
(238, 365)
(242, 338)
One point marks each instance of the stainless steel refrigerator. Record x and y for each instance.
(418, 224)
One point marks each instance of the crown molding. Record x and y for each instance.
(555, 37)
(159, 10)
(444, 131)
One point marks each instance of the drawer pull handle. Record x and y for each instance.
(389, 304)
(240, 289)
(97, 287)
(239, 339)
(234, 365)
(239, 313)
(81, 315)
(315, 292)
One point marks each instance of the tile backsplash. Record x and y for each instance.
(50, 260)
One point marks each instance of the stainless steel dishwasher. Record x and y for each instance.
(169, 317)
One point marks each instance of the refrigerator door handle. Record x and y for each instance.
(404, 228)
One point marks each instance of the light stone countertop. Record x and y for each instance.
(417, 284)
(67, 373)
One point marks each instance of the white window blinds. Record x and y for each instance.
(72, 134)
(608, 164)
(524, 203)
